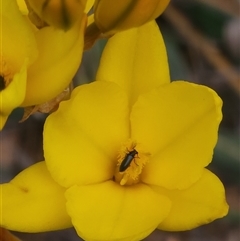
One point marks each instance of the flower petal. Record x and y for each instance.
(14, 51)
(180, 123)
(13, 95)
(200, 204)
(126, 14)
(82, 138)
(89, 5)
(59, 13)
(115, 213)
(132, 59)
(60, 54)
(33, 202)
(22, 7)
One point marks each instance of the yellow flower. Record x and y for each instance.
(113, 16)
(36, 65)
(128, 151)
(18, 50)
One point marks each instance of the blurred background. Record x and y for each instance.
(202, 39)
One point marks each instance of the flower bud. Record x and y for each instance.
(113, 16)
(59, 13)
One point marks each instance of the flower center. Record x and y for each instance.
(130, 163)
(5, 75)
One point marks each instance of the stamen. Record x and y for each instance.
(131, 161)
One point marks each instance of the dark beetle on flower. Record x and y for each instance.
(127, 160)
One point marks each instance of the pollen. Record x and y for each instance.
(6, 75)
(131, 160)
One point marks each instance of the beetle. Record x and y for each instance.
(127, 160)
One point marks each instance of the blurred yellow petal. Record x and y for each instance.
(82, 138)
(33, 202)
(22, 7)
(132, 59)
(89, 5)
(113, 16)
(17, 38)
(180, 123)
(13, 94)
(109, 212)
(58, 13)
(200, 204)
(90, 20)
(59, 58)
